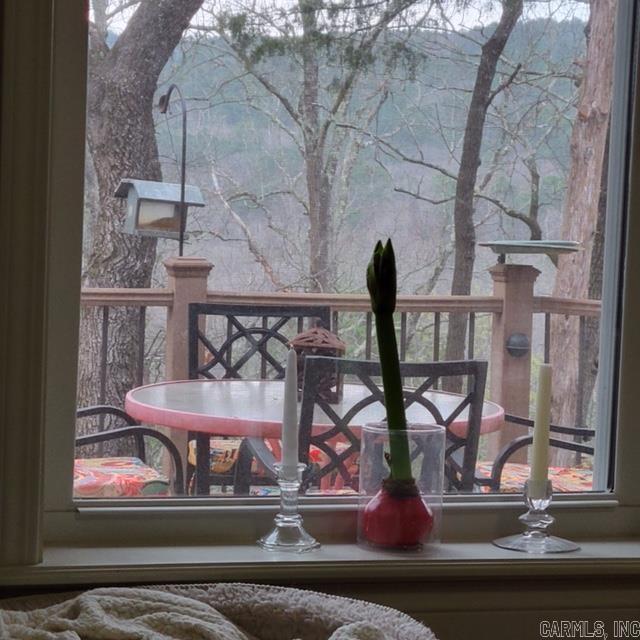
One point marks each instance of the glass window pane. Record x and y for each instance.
(475, 135)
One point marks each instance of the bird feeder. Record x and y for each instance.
(319, 341)
(154, 208)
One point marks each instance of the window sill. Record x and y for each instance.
(232, 525)
(66, 565)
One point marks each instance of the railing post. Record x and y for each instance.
(511, 374)
(187, 279)
(188, 282)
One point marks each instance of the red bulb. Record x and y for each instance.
(396, 521)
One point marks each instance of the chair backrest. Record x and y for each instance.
(251, 341)
(461, 451)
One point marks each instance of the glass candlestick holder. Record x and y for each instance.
(535, 538)
(288, 534)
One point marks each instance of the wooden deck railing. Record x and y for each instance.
(494, 313)
(340, 301)
(127, 297)
(438, 306)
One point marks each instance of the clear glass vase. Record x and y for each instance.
(401, 515)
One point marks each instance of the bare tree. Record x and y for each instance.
(482, 95)
(331, 46)
(582, 202)
(122, 143)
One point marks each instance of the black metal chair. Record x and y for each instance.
(461, 452)
(135, 433)
(492, 474)
(251, 343)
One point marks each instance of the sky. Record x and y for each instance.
(478, 13)
(489, 11)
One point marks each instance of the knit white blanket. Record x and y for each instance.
(206, 612)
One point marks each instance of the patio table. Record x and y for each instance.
(253, 408)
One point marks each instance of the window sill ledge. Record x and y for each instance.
(65, 565)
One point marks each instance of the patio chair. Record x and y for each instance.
(123, 476)
(332, 456)
(503, 476)
(252, 343)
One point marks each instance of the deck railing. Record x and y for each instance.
(498, 316)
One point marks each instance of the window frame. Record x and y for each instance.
(467, 518)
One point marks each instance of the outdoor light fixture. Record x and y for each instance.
(156, 208)
(518, 345)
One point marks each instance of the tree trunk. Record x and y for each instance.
(589, 338)
(581, 207)
(122, 143)
(465, 237)
(318, 185)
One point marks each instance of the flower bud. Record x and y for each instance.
(381, 278)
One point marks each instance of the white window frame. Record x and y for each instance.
(48, 435)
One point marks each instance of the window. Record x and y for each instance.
(464, 521)
(388, 129)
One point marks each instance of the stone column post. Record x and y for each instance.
(511, 372)
(188, 282)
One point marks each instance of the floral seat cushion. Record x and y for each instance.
(223, 453)
(121, 477)
(514, 475)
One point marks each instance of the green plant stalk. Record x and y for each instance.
(399, 458)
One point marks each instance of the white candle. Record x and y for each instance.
(290, 418)
(540, 447)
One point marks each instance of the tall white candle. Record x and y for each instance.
(540, 447)
(290, 418)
